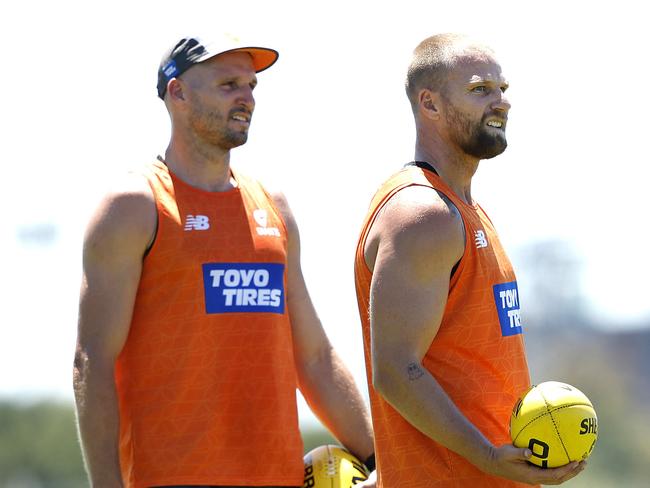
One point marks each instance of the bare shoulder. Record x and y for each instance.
(280, 200)
(124, 217)
(119, 231)
(282, 204)
(418, 223)
(419, 205)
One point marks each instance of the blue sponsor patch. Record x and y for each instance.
(506, 298)
(243, 287)
(170, 69)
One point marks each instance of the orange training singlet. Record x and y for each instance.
(206, 380)
(477, 355)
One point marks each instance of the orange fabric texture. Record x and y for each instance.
(477, 355)
(206, 380)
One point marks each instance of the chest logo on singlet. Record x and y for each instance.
(506, 298)
(243, 287)
(197, 222)
(262, 219)
(479, 239)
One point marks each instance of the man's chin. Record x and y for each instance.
(235, 140)
(489, 147)
(495, 151)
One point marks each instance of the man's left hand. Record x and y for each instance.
(371, 482)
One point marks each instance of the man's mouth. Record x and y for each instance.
(496, 123)
(241, 117)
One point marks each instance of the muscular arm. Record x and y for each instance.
(420, 238)
(412, 249)
(325, 382)
(117, 236)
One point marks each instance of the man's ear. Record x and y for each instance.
(429, 104)
(175, 89)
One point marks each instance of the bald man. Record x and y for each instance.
(438, 297)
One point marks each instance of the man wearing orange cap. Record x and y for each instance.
(195, 324)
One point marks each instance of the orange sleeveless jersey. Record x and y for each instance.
(477, 355)
(206, 380)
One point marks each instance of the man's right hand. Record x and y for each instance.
(512, 463)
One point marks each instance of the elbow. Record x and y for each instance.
(79, 375)
(89, 368)
(311, 368)
(79, 366)
(394, 377)
(379, 383)
(385, 379)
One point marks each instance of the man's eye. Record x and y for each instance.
(230, 85)
(479, 89)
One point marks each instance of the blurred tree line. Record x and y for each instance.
(39, 446)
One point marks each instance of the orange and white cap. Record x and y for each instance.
(191, 50)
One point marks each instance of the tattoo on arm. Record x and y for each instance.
(414, 371)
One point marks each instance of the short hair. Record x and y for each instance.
(434, 58)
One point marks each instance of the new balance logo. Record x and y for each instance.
(197, 222)
(480, 239)
(262, 220)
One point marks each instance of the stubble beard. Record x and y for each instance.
(211, 127)
(473, 137)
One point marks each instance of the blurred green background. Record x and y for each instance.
(566, 342)
(39, 447)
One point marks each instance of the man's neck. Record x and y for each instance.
(456, 170)
(200, 166)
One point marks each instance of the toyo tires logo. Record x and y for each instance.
(506, 299)
(243, 287)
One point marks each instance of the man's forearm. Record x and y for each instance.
(420, 399)
(98, 418)
(331, 392)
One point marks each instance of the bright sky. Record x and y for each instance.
(332, 121)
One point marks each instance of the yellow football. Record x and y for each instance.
(557, 422)
(332, 467)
